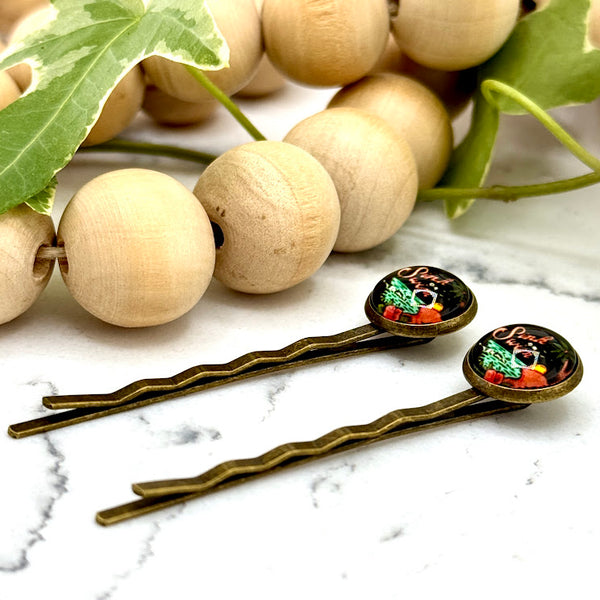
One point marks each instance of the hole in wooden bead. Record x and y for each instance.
(218, 233)
(44, 259)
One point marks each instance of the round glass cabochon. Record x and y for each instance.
(420, 295)
(523, 357)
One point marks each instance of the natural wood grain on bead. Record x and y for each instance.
(239, 22)
(414, 111)
(22, 279)
(373, 170)
(170, 111)
(454, 34)
(140, 249)
(279, 213)
(13, 10)
(325, 42)
(120, 109)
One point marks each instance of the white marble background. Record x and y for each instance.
(499, 507)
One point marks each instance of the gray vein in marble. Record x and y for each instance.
(537, 473)
(330, 481)
(58, 490)
(482, 274)
(146, 553)
(52, 388)
(272, 397)
(393, 534)
(190, 435)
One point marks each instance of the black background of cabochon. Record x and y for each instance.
(553, 354)
(455, 297)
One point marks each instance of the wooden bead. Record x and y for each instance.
(267, 79)
(239, 22)
(453, 88)
(414, 111)
(170, 111)
(278, 212)
(139, 248)
(22, 278)
(9, 90)
(325, 42)
(373, 170)
(123, 104)
(454, 34)
(13, 10)
(36, 17)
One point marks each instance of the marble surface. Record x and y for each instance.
(498, 507)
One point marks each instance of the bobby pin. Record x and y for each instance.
(414, 304)
(516, 366)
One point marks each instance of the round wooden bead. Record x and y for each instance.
(454, 34)
(13, 10)
(168, 110)
(414, 111)
(139, 248)
(325, 43)
(22, 277)
(278, 212)
(373, 170)
(9, 90)
(267, 78)
(120, 109)
(36, 17)
(453, 88)
(239, 22)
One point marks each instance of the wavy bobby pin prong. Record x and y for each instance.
(415, 304)
(488, 368)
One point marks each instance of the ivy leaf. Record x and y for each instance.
(78, 58)
(42, 202)
(549, 59)
(470, 161)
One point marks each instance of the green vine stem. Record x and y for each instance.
(490, 86)
(119, 145)
(508, 193)
(227, 103)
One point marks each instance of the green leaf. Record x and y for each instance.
(43, 201)
(471, 159)
(79, 56)
(548, 58)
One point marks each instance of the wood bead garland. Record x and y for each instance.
(453, 34)
(23, 232)
(239, 22)
(139, 248)
(278, 211)
(413, 111)
(373, 169)
(325, 42)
